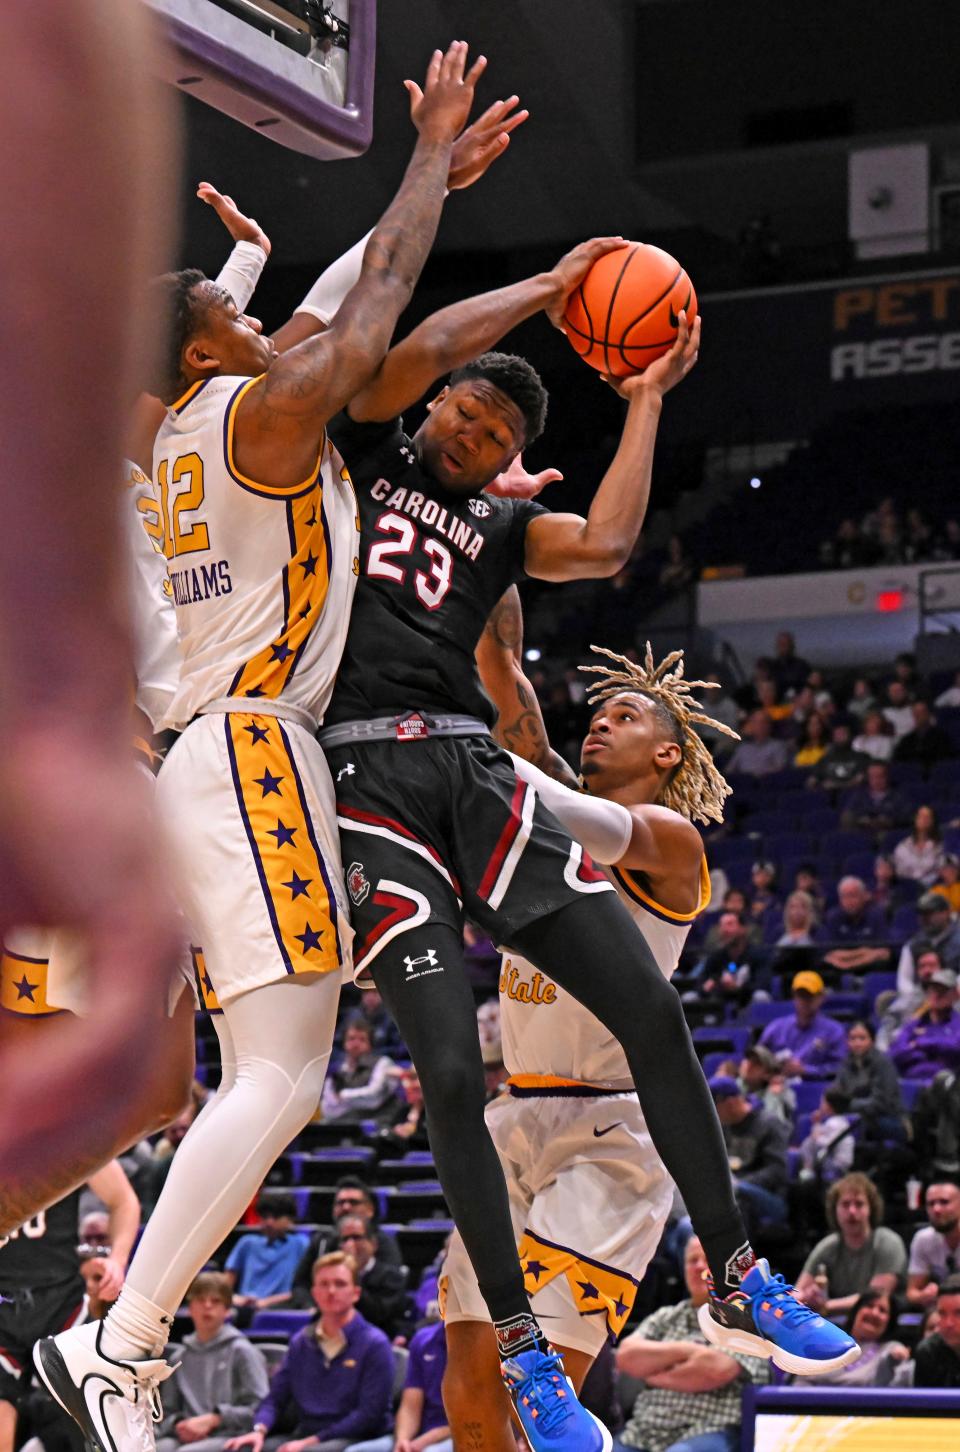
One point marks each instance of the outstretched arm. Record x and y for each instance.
(568, 547)
(281, 417)
(457, 334)
(520, 726)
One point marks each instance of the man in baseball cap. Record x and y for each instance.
(930, 1041)
(760, 1078)
(806, 1041)
(757, 1149)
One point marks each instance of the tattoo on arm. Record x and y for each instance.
(505, 622)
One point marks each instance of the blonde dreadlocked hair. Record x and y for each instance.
(696, 788)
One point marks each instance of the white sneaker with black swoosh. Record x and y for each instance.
(114, 1403)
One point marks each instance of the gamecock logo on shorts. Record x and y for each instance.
(358, 883)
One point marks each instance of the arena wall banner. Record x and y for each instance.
(776, 362)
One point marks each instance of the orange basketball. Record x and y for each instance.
(624, 313)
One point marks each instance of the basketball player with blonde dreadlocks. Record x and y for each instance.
(588, 1192)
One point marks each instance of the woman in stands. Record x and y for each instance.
(873, 1323)
(920, 856)
(813, 741)
(870, 1080)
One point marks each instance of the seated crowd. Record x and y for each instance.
(822, 987)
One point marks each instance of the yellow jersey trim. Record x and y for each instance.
(190, 394)
(23, 985)
(269, 491)
(632, 886)
(545, 1081)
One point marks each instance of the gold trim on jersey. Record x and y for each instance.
(293, 874)
(632, 888)
(206, 992)
(597, 1289)
(306, 580)
(23, 984)
(545, 1081)
(189, 395)
(270, 491)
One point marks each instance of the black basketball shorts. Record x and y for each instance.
(25, 1317)
(432, 830)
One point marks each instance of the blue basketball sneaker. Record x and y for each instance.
(551, 1416)
(764, 1318)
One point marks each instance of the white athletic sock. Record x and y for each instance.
(280, 1036)
(135, 1328)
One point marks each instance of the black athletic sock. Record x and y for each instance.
(594, 950)
(519, 1333)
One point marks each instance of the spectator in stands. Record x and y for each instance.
(678, 569)
(876, 738)
(909, 999)
(930, 1040)
(806, 879)
(948, 880)
(919, 857)
(874, 807)
(790, 671)
(761, 1081)
(335, 1382)
(383, 1294)
(884, 890)
(779, 711)
(407, 1127)
(862, 699)
(854, 926)
(691, 1391)
(730, 972)
(262, 1264)
(813, 741)
(421, 1419)
(859, 1254)
(383, 1031)
(363, 1081)
(898, 708)
(757, 1150)
(826, 1154)
(758, 754)
(152, 1175)
(873, 1325)
(840, 767)
(799, 922)
(935, 1248)
(723, 708)
(936, 1126)
(221, 1378)
(352, 1197)
(734, 901)
(950, 698)
(927, 743)
(764, 899)
(870, 1081)
(806, 1041)
(937, 1359)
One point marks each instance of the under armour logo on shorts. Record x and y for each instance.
(426, 963)
(348, 770)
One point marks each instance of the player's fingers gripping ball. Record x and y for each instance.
(625, 312)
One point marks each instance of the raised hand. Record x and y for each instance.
(441, 109)
(573, 268)
(482, 142)
(241, 228)
(516, 483)
(666, 372)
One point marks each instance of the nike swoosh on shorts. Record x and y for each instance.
(599, 1133)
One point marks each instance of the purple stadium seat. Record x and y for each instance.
(845, 1005)
(771, 822)
(732, 1039)
(820, 821)
(809, 1092)
(874, 983)
(841, 844)
(284, 1323)
(910, 1092)
(905, 924)
(758, 1015)
(712, 1061)
(801, 1128)
(730, 849)
(789, 844)
(859, 864)
(890, 839)
(951, 839)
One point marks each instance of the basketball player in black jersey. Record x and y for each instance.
(433, 820)
(41, 1289)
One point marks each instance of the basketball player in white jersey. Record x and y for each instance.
(261, 535)
(588, 1194)
(46, 972)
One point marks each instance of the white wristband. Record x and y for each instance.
(332, 286)
(241, 272)
(603, 828)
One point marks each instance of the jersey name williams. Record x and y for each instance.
(430, 513)
(195, 584)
